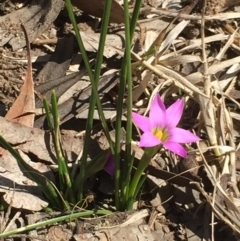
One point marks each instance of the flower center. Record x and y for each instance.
(162, 135)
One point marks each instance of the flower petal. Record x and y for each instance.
(182, 136)
(148, 140)
(175, 148)
(110, 165)
(157, 114)
(141, 122)
(174, 113)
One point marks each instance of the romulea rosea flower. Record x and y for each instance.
(160, 127)
(110, 165)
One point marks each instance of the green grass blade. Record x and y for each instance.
(52, 221)
(125, 77)
(55, 199)
(65, 178)
(134, 18)
(127, 181)
(94, 81)
(98, 67)
(96, 164)
(48, 115)
(128, 157)
(79, 39)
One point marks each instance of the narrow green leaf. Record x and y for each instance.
(52, 221)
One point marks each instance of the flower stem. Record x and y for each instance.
(143, 164)
(121, 189)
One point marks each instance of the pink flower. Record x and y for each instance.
(110, 165)
(160, 127)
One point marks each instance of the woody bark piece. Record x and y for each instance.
(60, 85)
(96, 8)
(59, 62)
(36, 18)
(80, 101)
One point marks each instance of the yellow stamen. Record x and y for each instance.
(162, 135)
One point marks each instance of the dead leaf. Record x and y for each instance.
(19, 190)
(123, 226)
(155, 3)
(117, 12)
(114, 43)
(38, 142)
(59, 233)
(25, 102)
(30, 16)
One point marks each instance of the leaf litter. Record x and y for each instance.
(201, 66)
